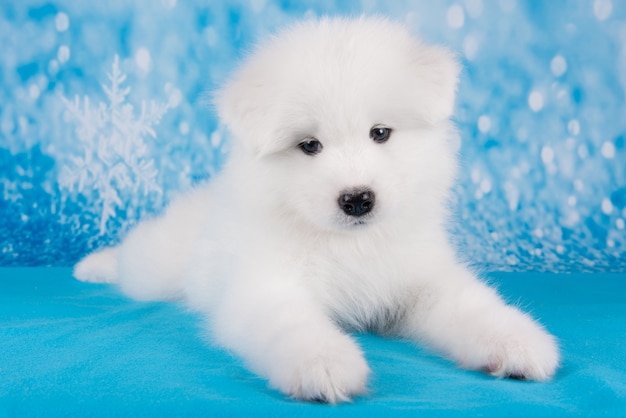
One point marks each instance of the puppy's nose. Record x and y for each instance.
(357, 202)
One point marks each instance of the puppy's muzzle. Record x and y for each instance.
(357, 202)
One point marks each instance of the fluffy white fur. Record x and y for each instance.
(280, 270)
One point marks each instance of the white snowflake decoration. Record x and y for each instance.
(116, 162)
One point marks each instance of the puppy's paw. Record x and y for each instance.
(526, 352)
(98, 267)
(330, 373)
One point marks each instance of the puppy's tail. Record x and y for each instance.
(98, 267)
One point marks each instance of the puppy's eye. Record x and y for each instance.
(310, 146)
(380, 134)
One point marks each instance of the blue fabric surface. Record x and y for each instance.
(70, 348)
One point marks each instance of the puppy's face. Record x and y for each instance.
(347, 119)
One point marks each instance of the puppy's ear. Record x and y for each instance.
(438, 75)
(244, 106)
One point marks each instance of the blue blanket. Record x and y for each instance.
(74, 349)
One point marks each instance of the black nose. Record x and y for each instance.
(356, 202)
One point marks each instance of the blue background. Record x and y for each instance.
(90, 143)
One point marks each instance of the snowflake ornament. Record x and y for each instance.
(115, 168)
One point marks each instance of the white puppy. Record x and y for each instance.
(330, 217)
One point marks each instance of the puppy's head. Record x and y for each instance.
(350, 117)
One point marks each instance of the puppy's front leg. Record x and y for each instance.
(284, 336)
(468, 321)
